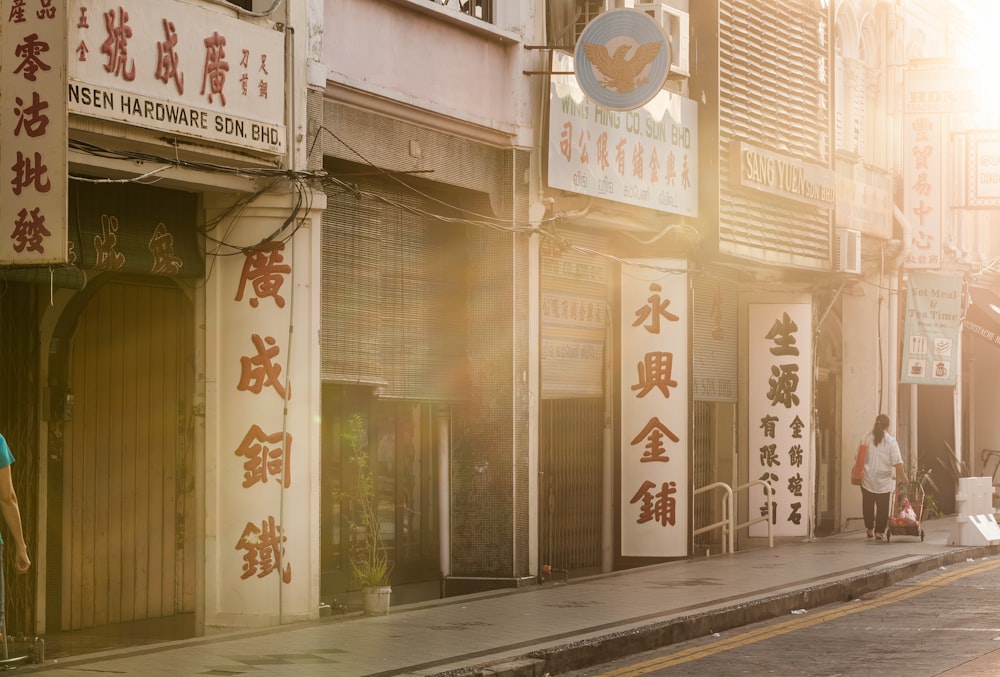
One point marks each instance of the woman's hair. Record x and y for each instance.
(878, 430)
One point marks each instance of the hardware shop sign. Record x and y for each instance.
(179, 68)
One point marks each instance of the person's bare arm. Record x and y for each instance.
(12, 515)
(901, 474)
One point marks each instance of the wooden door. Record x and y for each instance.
(128, 484)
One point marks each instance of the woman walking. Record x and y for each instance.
(883, 468)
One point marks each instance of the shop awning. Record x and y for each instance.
(983, 317)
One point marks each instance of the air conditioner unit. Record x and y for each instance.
(847, 251)
(676, 23)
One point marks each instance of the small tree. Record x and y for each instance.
(370, 567)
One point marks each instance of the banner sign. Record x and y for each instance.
(931, 329)
(655, 388)
(780, 422)
(182, 69)
(574, 318)
(864, 199)
(646, 157)
(982, 169)
(34, 125)
(922, 178)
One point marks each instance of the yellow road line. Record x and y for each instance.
(799, 622)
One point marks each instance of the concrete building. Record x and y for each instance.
(563, 307)
(163, 246)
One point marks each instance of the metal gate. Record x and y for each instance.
(570, 466)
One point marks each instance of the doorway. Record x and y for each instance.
(120, 544)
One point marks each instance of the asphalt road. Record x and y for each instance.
(945, 622)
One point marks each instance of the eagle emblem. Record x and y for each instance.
(620, 71)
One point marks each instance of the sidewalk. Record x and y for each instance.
(557, 626)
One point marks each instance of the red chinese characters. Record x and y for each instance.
(780, 384)
(266, 453)
(32, 214)
(263, 550)
(654, 411)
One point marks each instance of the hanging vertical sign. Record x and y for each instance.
(931, 330)
(922, 188)
(780, 428)
(33, 124)
(655, 387)
(930, 94)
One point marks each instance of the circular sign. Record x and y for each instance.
(622, 59)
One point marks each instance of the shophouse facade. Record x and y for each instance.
(556, 319)
(948, 116)
(162, 310)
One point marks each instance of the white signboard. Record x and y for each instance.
(780, 426)
(574, 318)
(262, 477)
(646, 157)
(179, 68)
(941, 90)
(33, 125)
(655, 388)
(922, 203)
(864, 199)
(982, 169)
(932, 328)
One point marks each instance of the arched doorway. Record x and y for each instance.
(121, 477)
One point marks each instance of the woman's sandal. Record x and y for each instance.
(871, 533)
(878, 537)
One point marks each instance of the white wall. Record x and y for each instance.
(867, 346)
(434, 59)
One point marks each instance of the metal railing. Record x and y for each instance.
(765, 517)
(726, 523)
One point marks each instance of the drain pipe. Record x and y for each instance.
(904, 253)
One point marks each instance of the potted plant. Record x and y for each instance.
(370, 566)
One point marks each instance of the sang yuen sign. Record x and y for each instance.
(181, 69)
(783, 176)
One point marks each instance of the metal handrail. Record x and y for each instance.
(767, 518)
(726, 523)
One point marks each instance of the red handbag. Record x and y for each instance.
(858, 471)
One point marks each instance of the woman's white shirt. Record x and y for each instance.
(880, 464)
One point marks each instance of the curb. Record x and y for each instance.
(615, 645)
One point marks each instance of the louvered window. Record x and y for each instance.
(772, 81)
(839, 98)
(393, 293)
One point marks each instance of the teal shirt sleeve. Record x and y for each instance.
(6, 458)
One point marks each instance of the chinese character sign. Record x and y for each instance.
(264, 425)
(655, 387)
(179, 68)
(931, 330)
(574, 320)
(922, 203)
(34, 126)
(779, 410)
(646, 157)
